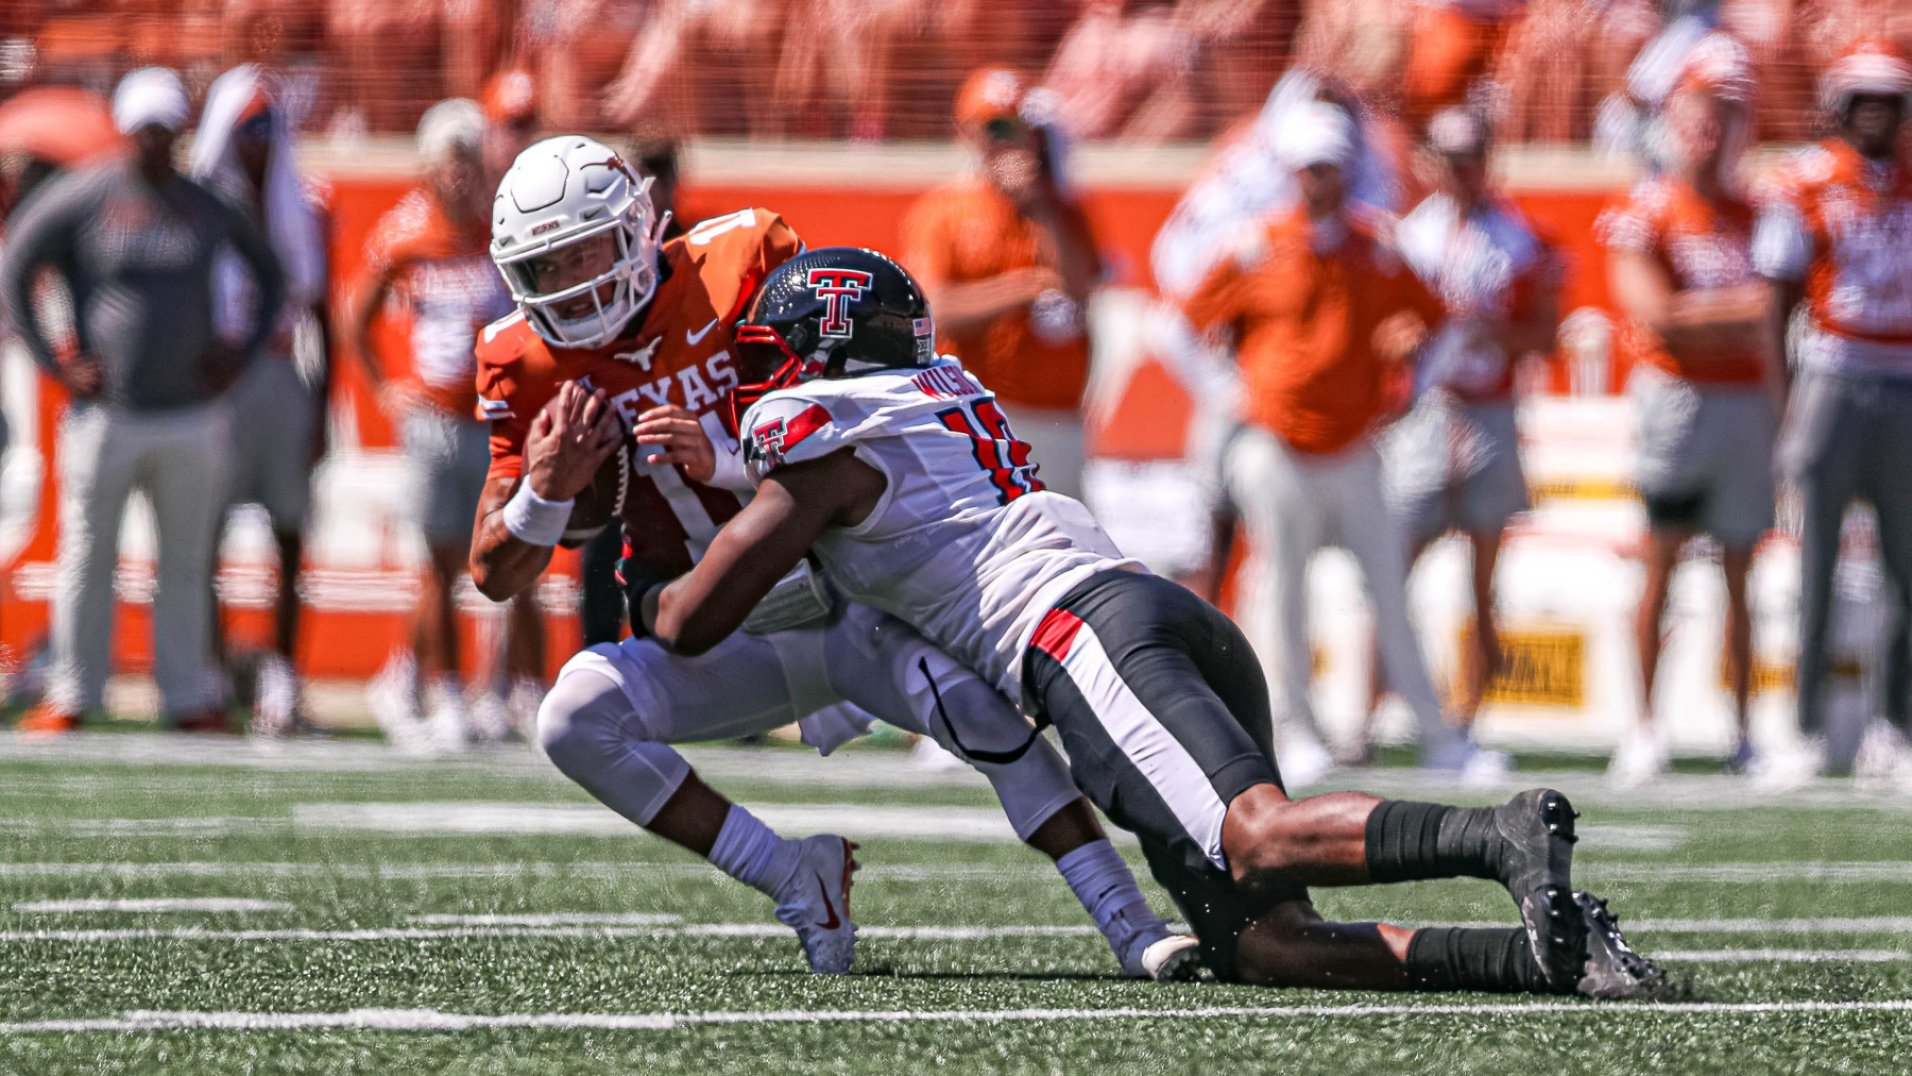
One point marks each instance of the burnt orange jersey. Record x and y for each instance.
(678, 351)
(968, 231)
(443, 278)
(1304, 323)
(1701, 244)
(1854, 223)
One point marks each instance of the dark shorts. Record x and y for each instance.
(1162, 708)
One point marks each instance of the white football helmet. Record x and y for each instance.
(560, 192)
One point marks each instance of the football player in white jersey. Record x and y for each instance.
(610, 322)
(895, 469)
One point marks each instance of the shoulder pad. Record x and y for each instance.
(784, 428)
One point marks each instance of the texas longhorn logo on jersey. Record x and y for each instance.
(837, 288)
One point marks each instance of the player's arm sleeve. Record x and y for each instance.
(42, 236)
(508, 428)
(1219, 299)
(782, 430)
(780, 241)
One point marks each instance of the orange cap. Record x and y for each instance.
(511, 94)
(990, 93)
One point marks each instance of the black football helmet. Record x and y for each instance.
(833, 312)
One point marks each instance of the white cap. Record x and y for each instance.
(150, 95)
(453, 124)
(1314, 133)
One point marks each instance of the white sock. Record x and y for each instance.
(752, 853)
(1103, 883)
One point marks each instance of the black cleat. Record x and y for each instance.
(1614, 972)
(1536, 865)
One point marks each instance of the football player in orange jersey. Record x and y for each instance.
(620, 336)
(1680, 266)
(428, 254)
(1837, 235)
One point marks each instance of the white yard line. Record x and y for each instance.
(156, 904)
(433, 1020)
(556, 919)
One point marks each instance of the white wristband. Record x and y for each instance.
(530, 518)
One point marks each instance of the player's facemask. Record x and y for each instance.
(766, 362)
(586, 313)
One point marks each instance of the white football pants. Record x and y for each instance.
(607, 721)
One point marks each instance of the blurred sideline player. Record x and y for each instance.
(1008, 253)
(897, 471)
(1321, 310)
(1244, 181)
(513, 121)
(615, 331)
(1681, 268)
(1837, 236)
(428, 253)
(1453, 462)
(244, 150)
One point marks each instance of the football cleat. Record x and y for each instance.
(1174, 959)
(1614, 971)
(1536, 865)
(817, 905)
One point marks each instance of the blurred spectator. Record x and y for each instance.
(512, 121)
(1319, 308)
(1835, 236)
(1453, 462)
(136, 244)
(1244, 182)
(515, 687)
(1680, 266)
(244, 150)
(1123, 71)
(1451, 48)
(601, 606)
(1009, 263)
(429, 253)
(388, 57)
(673, 60)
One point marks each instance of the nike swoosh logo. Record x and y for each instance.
(694, 338)
(824, 891)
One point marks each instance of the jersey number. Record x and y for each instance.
(998, 452)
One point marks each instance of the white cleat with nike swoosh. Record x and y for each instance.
(817, 904)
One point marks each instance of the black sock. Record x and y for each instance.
(1492, 959)
(1407, 841)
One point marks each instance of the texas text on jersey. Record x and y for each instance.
(678, 351)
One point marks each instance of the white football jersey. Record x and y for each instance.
(966, 545)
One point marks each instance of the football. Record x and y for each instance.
(601, 503)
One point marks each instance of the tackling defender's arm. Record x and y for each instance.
(758, 547)
(566, 444)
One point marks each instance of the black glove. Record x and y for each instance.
(638, 578)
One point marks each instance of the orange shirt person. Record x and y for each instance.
(1321, 307)
(1009, 262)
(429, 256)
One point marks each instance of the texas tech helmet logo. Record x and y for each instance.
(838, 288)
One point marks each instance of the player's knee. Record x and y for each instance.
(581, 719)
(1261, 842)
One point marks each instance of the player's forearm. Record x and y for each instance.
(1077, 261)
(502, 564)
(968, 308)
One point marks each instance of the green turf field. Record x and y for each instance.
(382, 914)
